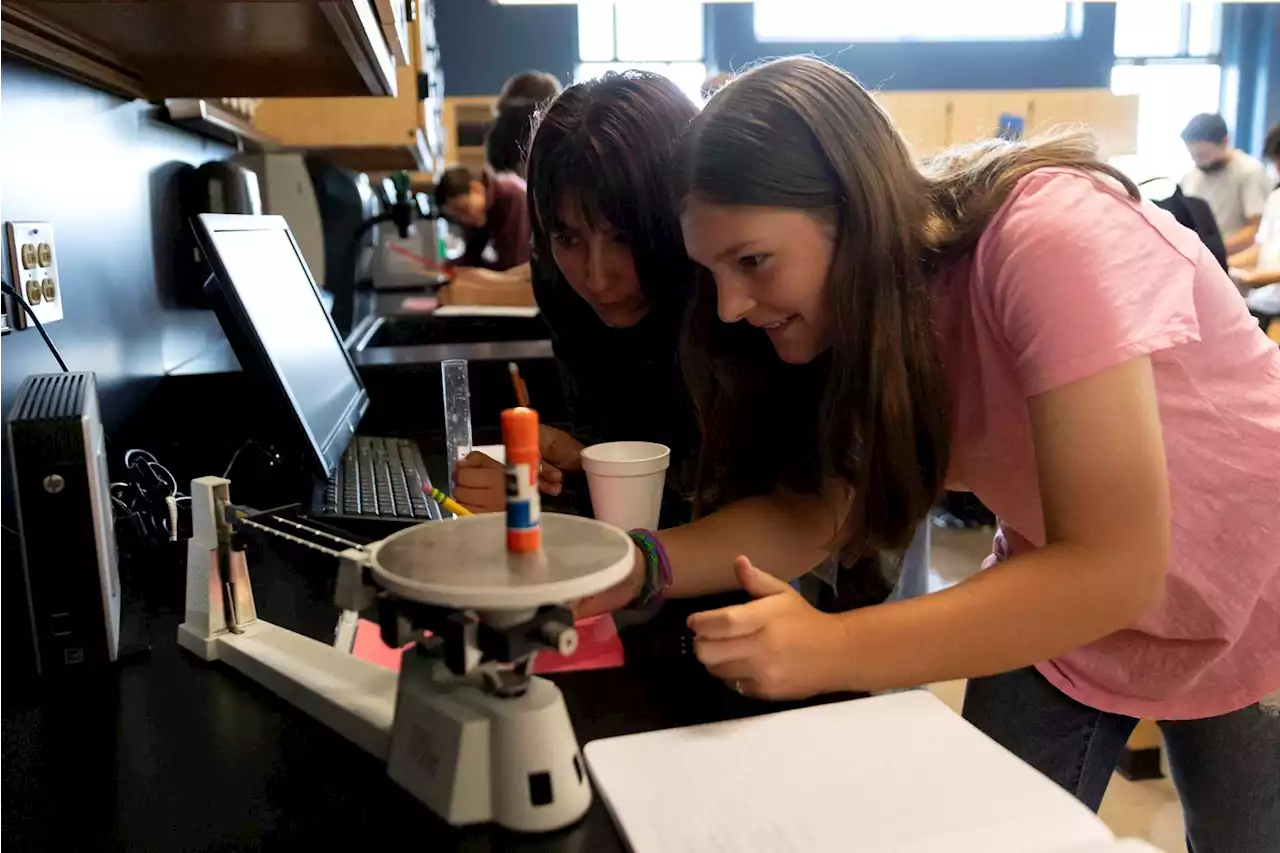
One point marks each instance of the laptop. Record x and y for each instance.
(275, 319)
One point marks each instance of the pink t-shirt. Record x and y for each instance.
(1072, 278)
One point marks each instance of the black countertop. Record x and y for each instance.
(169, 753)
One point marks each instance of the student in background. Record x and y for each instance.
(1233, 183)
(536, 86)
(613, 281)
(1256, 271)
(492, 207)
(1009, 317)
(506, 142)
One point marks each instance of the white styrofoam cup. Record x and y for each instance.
(626, 479)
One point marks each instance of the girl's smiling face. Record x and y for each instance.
(770, 267)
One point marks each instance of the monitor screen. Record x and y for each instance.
(263, 272)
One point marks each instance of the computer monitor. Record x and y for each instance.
(273, 316)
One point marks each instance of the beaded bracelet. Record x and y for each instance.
(657, 569)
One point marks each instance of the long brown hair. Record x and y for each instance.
(804, 135)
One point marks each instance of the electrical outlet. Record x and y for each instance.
(33, 271)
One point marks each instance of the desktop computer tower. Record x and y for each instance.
(59, 463)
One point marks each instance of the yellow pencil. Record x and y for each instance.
(446, 502)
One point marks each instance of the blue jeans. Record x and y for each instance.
(1226, 769)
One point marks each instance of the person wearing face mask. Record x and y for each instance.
(1009, 318)
(1233, 183)
(613, 281)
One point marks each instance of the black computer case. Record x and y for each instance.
(58, 457)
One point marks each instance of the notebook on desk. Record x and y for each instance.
(901, 773)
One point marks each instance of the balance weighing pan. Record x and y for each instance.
(464, 564)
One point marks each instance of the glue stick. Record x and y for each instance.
(524, 507)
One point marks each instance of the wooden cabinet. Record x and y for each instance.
(157, 49)
(371, 134)
(466, 120)
(932, 121)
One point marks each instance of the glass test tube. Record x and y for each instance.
(457, 414)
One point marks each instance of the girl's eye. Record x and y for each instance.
(752, 262)
(565, 240)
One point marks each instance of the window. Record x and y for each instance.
(663, 36)
(932, 20)
(1169, 94)
(1149, 29)
(1166, 54)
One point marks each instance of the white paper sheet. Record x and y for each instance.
(892, 774)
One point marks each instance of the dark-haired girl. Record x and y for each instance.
(1014, 320)
(613, 281)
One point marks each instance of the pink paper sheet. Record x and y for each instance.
(598, 648)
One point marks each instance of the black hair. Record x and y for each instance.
(507, 141)
(456, 181)
(1271, 147)
(1206, 127)
(536, 86)
(605, 146)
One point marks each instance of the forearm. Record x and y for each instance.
(1030, 609)
(1245, 259)
(1262, 278)
(1240, 240)
(788, 535)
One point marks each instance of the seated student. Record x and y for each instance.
(613, 281)
(1256, 271)
(493, 210)
(1233, 183)
(506, 142)
(1009, 317)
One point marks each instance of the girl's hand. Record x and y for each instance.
(776, 647)
(561, 454)
(479, 481)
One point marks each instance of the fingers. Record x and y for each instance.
(479, 484)
(714, 653)
(741, 620)
(560, 449)
(550, 479)
(757, 582)
(476, 459)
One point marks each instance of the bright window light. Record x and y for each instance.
(687, 75)
(932, 20)
(1169, 94)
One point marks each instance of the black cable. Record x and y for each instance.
(17, 297)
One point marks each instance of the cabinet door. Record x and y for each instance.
(976, 115)
(920, 116)
(1112, 118)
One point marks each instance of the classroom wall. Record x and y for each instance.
(483, 43)
(100, 170)
(1046, 63)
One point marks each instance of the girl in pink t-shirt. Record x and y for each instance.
(1012, 320)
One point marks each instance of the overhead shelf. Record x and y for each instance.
(158, 49)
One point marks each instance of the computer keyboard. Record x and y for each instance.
(379, 477)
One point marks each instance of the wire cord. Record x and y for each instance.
(17, 297)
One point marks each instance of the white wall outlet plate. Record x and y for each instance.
(33, 271)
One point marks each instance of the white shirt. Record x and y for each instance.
(1235, 193)
(1266, 300)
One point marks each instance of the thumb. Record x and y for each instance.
(759, 584)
